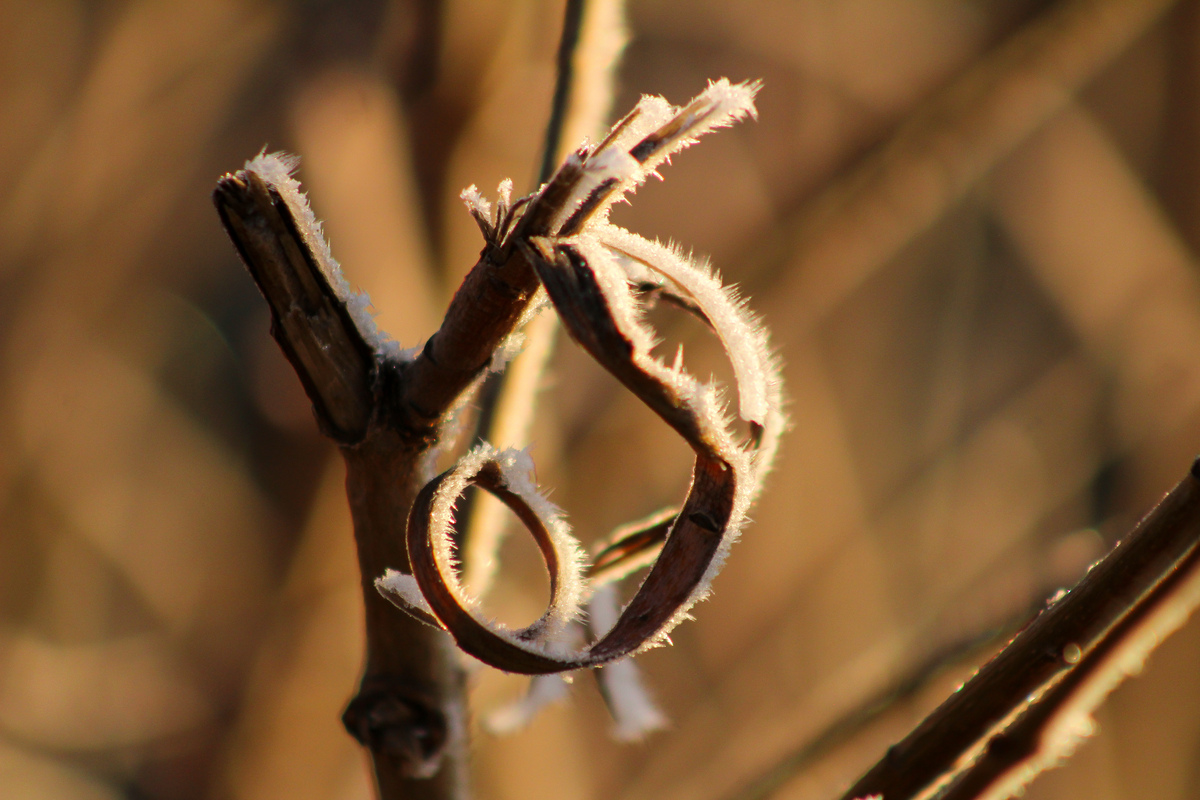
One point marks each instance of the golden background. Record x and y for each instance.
(972, 226)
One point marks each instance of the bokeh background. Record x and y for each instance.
(971, 224)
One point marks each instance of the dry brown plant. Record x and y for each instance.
(392, 412)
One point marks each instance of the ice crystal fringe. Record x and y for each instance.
(587, 266)
(276, 169)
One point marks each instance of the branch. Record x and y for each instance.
(989, 737)
(409, 710)
(387, 410)
(308, 319)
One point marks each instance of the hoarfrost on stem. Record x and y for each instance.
(587, 266)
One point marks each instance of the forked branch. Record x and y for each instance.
(389, 409)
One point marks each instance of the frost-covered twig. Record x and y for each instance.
(389, 408)
(410, 709)
(314, 316)
(564, 233)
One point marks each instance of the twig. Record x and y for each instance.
(309, 321)
(572, 22)
(564, 232)
(387, 412)
(410, 707)
(1048, 731)
(1076, 651)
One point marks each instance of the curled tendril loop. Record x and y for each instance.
(589, 268)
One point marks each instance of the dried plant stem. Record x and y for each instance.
(593, 38)
(386, 414)
(410, 707)
(989, 738)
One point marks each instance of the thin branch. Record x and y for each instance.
(308, 318)
(410, 707)
(482, 314)
(1048, 731)
(386, 410)
(563, 84)
(1074, 651)
(934, 653)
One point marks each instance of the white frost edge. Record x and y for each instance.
(702, 399)
(650, 114)
(516, 468)
(276, 169)
(743, 337)
(399, 585)
(720, 105)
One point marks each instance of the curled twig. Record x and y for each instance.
(586, 265)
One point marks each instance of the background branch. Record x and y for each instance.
(589, 52)
(1061, 655)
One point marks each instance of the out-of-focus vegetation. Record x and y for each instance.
(988, 309)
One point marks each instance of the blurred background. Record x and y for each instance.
(971, 224)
